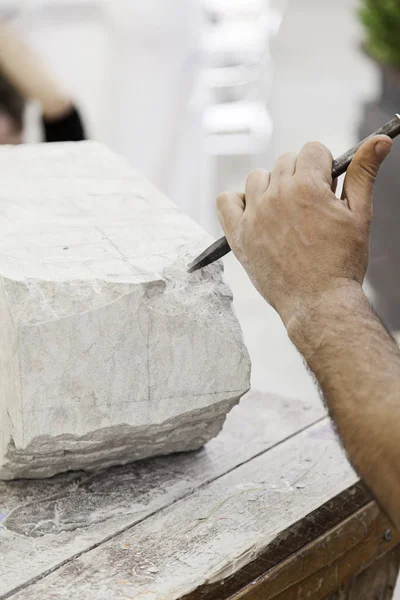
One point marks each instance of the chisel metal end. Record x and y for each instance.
(217, 250)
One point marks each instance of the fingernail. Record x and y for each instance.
(382, 150)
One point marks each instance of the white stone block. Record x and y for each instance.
(109, 350)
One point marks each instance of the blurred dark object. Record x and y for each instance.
(24, 78)
(12, 103)
(384, 268)
(381, 19)
(67, 128)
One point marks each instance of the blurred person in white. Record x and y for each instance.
(23, 77)
(142, 105)
(156, 123)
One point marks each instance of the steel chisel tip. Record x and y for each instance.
(217, 250)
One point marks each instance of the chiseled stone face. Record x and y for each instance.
(109, 350)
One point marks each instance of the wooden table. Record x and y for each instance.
(269, 509)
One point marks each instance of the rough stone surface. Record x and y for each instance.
(109, 351)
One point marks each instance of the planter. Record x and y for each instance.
(384, 269)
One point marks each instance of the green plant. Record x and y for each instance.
(381, 19)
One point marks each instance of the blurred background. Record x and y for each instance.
(196, 93)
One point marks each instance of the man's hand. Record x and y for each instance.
(294, 237)
(307, 251)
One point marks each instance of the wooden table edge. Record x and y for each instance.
(346, 534)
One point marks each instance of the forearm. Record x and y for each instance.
(27, 73)
(357, 365)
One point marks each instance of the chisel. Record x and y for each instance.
(221, 247)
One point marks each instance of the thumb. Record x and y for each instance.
(230, 208)
(362, 172)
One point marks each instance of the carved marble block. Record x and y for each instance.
(109, 351)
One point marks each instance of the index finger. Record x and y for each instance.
(230, 209)
(316, 160)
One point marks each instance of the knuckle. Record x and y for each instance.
(222, 199)
(317, 148)
(287, 156)
(283, 162)
(255, 175)
(259, 172)
(303, 186)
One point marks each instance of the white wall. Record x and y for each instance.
(132, 68)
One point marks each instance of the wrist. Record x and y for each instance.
(315, 318)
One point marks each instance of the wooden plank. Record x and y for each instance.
(214, 532)
(46, 523)
(287, 543)
(377, 581)
(329, 561)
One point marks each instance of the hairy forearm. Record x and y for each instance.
(26, 72)
(357, 365)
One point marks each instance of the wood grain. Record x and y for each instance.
(45, 523)
(211, 534)
(329, 561)
(286, 544)
(377, 581)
